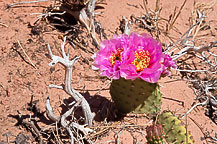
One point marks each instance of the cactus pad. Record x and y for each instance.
(137, 96)
(174, 129)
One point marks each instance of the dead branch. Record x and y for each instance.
(199, 104)
(90, 9)
(201, 129)
(128, 25)
(31, 125)
(185, 37)
(50, 112)
(26, 55)
(68, 79)
(66, 124)
(175, 17)
(85, 18)
(26, 2)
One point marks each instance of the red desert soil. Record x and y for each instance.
(20, 81)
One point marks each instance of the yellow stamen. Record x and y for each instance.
(116, 56)
(142, 59)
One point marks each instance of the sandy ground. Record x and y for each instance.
(20, 81)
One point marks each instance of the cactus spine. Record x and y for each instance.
(137, 96)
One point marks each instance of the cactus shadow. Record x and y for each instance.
(103, 107)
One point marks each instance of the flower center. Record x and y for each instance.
(116, 56)
(142, 59)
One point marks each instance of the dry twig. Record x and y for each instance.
(3, 25)
(32, 126)
(72, 128)
(201, 129)
(27, 2)
(26, 55)
(68, 78)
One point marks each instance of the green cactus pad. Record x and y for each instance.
(174, 129)
(136, 96)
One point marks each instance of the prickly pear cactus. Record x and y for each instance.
(155, 134)
(175, 131)
(137, 96)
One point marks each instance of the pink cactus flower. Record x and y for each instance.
(133, 56)
(167, 64)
